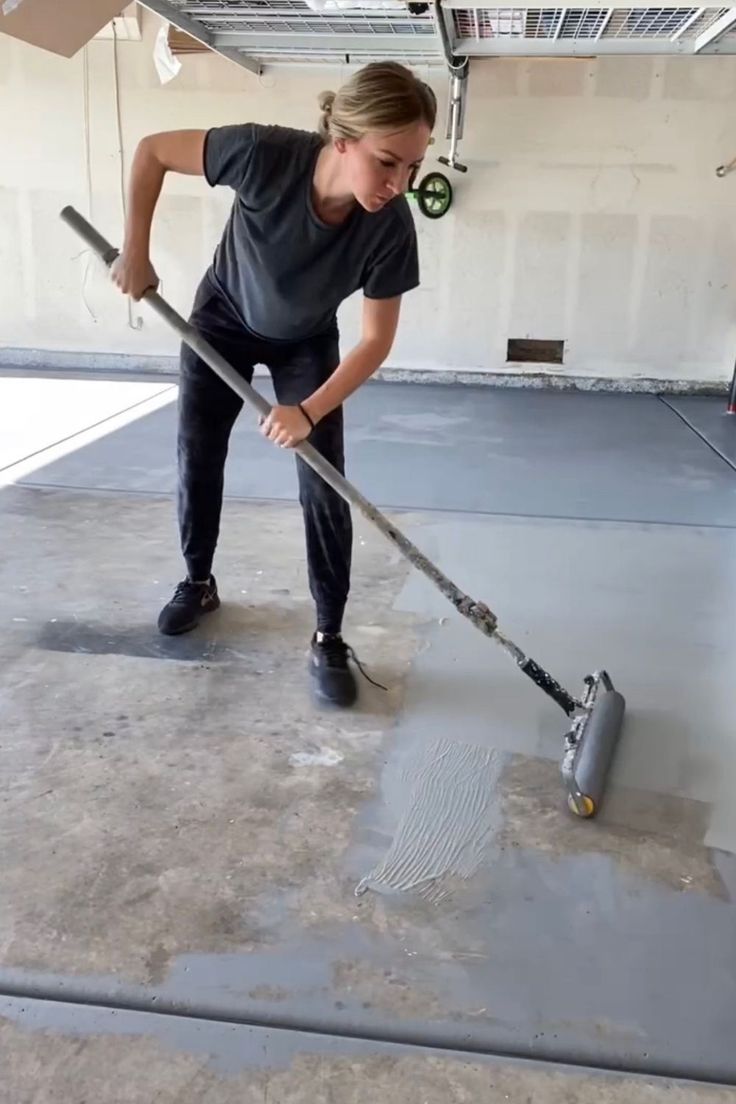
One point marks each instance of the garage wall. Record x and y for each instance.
(591, 211)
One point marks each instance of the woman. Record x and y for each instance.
(315, 217)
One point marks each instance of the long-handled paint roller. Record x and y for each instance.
(596, 716)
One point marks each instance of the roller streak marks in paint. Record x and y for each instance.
(448, 824)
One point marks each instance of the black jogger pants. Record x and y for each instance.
(207, 412)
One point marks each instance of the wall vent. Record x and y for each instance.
(530, 350)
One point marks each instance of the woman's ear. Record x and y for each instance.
(340, 144)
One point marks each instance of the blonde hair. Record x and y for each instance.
(382, 97)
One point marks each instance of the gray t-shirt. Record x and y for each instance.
(284, 270)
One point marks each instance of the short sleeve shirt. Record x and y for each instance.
(282, 268)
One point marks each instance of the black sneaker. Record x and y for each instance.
(184, 610)
(328, 663)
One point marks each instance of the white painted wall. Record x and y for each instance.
(591, 211)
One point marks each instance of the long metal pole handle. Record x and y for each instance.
(477, 612)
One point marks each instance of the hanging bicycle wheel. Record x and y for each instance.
(434, 195)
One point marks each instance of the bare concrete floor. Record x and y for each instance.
(183, 830)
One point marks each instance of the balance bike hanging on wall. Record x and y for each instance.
(433, 193)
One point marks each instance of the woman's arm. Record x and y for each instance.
(179, 151)
(380, 320)
(287, 426)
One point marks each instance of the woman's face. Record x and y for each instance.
(380, 167)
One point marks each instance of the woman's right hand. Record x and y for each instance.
(134, 274)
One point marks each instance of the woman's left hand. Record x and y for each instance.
(286, 426)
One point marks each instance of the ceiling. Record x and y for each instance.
(255, 33)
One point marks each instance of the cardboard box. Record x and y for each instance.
(182, 43)
(61, 26)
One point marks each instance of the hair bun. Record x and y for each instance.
(326, 100)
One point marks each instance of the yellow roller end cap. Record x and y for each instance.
(586, 808)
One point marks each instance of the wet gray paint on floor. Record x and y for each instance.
(620, 457)
(578, 597)
(195, 864)
(448, 824)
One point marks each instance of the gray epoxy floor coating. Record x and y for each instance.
(606, 943)
(590, 456)
(709, 419)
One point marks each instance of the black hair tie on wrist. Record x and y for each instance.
(306, 415)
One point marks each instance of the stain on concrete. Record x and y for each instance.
(316, 757)
(158, 959)
(138, 640)
(389, 990)
(599, 1029)
(658, 837)
(272, 993)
